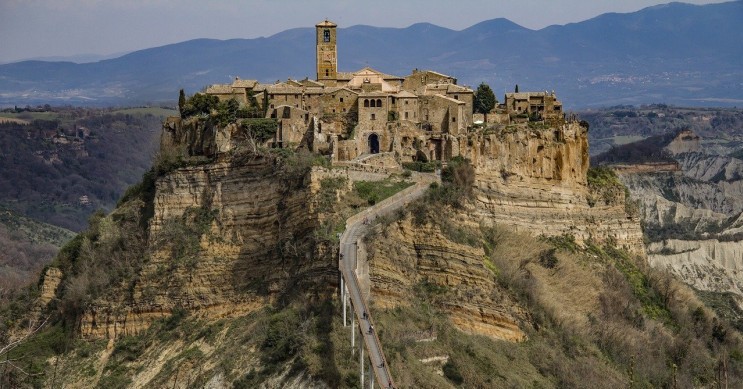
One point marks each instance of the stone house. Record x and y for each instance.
(424, 115)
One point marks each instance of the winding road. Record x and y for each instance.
(356, 228)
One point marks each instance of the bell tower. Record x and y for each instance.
(327, 53)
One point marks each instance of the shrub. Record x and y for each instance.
(451, 372)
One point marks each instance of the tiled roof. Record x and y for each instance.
(368, 70)
(449, 99)
(238, 83)
(219, 89)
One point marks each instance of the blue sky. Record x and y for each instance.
(54, 28)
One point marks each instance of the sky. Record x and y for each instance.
(65, 28)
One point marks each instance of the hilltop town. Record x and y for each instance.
(424, 116)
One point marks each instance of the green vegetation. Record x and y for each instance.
(376, 191)
(458, 179)
(642, 329)
(613, 126)
(27, 246)
(259, 129)
(484, 100)
(424, 167)
(68, 153)
(604, 185)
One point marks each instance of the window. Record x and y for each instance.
(366, 103)
(406, 102)
(456, 97)
(406, 114)
(379, 102)
(326, 35)
(327, 73)
(333, 110)
(373, 117)
(344, 110)
(453, 119)
(341, 100)
(373, 103)
(271, 105)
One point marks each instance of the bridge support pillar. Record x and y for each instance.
(361, 363)
(343, 297)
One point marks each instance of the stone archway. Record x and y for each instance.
(373, 144)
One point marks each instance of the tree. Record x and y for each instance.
(181, 101)
(516, 89)
(484, 101)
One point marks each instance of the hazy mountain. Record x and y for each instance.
(676, 53)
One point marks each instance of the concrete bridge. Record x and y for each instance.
(356, 228)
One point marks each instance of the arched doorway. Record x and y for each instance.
(373, 144)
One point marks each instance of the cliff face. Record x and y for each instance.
(692, 215)
(253, 227)
(405, 258)
(535, 180)
(532, 180)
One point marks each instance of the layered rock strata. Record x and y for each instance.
(404, 258)
(535, 180)
(254, 247)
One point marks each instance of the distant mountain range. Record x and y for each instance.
(675, 53)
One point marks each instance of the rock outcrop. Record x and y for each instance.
(405, 257)
(535, 180)
(253, 246)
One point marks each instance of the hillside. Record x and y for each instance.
(28, 245)
(720, 129)
(676, 53)
(59, 165)
(522, 267)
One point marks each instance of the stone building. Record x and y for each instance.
(422, 116)
(544, 104)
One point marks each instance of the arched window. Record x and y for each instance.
(327, 73)
(366, 103)
(373, 103)
(379, 102)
